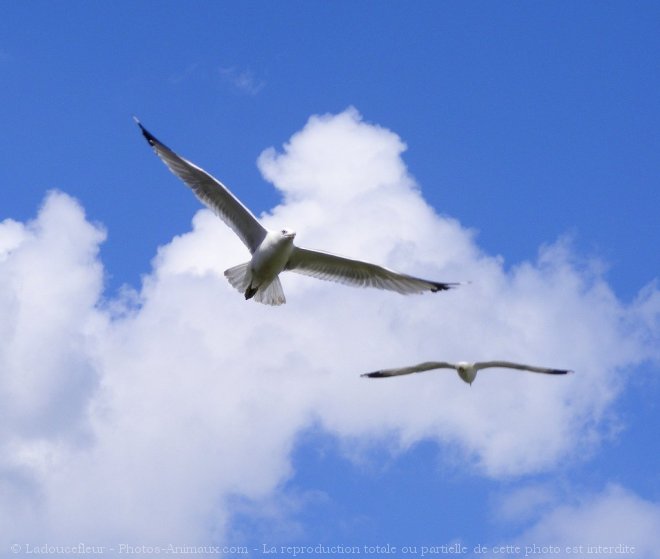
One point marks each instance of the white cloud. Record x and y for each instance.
(242, 80)
(50, 281)
(193, 396)
(614, 522)
(523, 503)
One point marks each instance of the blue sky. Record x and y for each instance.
(513, 145)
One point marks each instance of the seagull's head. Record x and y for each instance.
(466, 371)
(287, 234)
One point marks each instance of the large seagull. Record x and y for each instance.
(274, 251)
(467, 371)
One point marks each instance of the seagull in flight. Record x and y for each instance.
(467, 371)
(274, 251)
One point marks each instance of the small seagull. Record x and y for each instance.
(467, 371)
(274, 251)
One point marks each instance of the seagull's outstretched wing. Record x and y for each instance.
(427, 366)
(211, 192)
(326, 266)
(520, 366)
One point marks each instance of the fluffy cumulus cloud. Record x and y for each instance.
(145, 416)
(615, 522)
(50, 284)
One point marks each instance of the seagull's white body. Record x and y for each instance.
(271, 256)
(274, 251)
(268, 260)
(467, 371)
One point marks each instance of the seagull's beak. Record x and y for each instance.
(290, 235)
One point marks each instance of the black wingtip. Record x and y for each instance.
(375, 374)
(437, 286)
(561, 372)
(148, 135)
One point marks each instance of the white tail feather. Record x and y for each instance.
(239, 276)
(272, 294)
